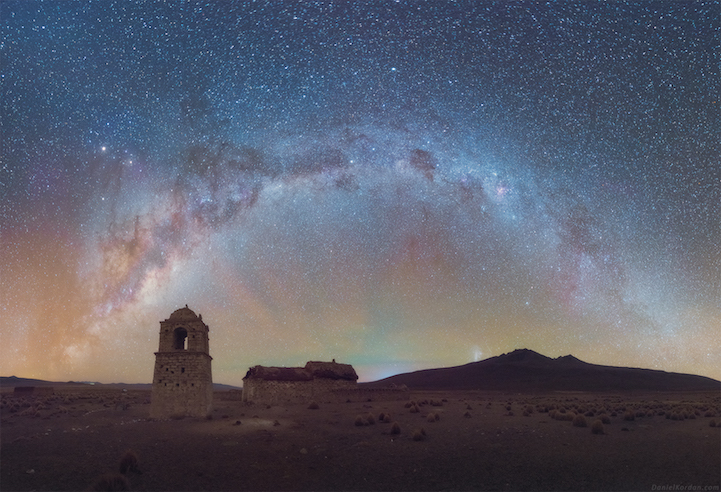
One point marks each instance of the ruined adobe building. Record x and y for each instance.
(319, 381)
(273, 385)
(182, 381)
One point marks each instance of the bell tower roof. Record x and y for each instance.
(183, 313)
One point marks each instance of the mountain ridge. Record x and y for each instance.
(526, 370)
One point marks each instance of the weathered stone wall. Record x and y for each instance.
(182, 385)
(230, 395)
(280, 392)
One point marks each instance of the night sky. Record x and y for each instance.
(395, 184)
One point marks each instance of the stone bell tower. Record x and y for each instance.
(182, 382)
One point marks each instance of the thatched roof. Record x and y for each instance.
(278, 373)
(331, 370)
(312, 370)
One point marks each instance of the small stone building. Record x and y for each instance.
(182, 381)
(315, 381)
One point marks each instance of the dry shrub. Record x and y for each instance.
(597, 427)
(629, 415)
(313, 406)
(712, 423)
(436, 403)
(129, 463)
(28, 412)
(381, 417)
(111, 482)
(387, 418)
(467, 414)
(552, 413)
(419, 434)
(709, 413)
(370, 419)
(395, 428)
(415, 409)
(360, 421)
(579, 421)
(605, 419)
(431, 417)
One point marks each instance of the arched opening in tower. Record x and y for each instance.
(181, 339)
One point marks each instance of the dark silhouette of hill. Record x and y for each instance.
(12, 381)
(524, 370)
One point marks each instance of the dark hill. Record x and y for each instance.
(525, 370)
(13, 381)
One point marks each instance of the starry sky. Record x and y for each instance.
(394, 184)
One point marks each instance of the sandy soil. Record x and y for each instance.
(65, 441)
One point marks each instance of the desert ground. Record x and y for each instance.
(449, 440)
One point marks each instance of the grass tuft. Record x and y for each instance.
(129, 463)
(395, 428)
(111, 482)
(580, 421)
(313, 406)
(419, 434)
(597, 427)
